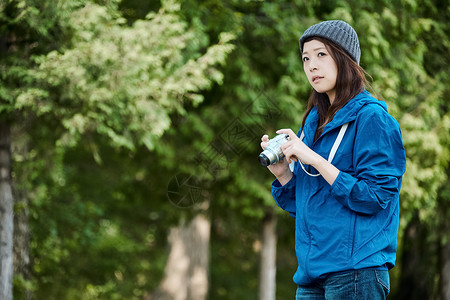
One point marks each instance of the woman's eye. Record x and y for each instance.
(305, 59)
(321, 54)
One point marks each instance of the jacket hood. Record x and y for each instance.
(349, 112)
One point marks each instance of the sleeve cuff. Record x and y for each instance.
(278, 189)
(342, 187)
(277, 185)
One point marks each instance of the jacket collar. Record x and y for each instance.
(346, 114)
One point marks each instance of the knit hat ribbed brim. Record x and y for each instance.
(338, 32)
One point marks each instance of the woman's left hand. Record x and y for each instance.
(295, 149)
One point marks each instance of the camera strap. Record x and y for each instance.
(335, 147)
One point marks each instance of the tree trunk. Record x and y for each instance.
(267, 276)
(445, 271)
(417, 266)
(6, 214)
(21, 252)
(186, 271)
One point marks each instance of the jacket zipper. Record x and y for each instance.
(308, 234)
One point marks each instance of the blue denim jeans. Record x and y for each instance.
(351, 285)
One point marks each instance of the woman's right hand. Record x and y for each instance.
(280, 169)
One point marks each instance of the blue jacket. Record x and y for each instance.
(352, 224)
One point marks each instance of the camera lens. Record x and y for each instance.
(263, 160)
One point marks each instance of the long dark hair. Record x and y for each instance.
(351, 80)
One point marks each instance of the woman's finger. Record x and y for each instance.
(289, 153)
(287, 131)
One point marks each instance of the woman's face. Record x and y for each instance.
(320, 68)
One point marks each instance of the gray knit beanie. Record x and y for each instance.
(338, 32)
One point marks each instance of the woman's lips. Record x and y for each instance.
(316, 79)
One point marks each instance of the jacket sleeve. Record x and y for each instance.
(379, 163)
(285, 195)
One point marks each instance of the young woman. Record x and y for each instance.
(346, 208)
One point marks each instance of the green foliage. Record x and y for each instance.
(120, 81)
(87, 81)
(89, 238)
(112, 99)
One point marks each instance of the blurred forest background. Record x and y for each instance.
(130, 130)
